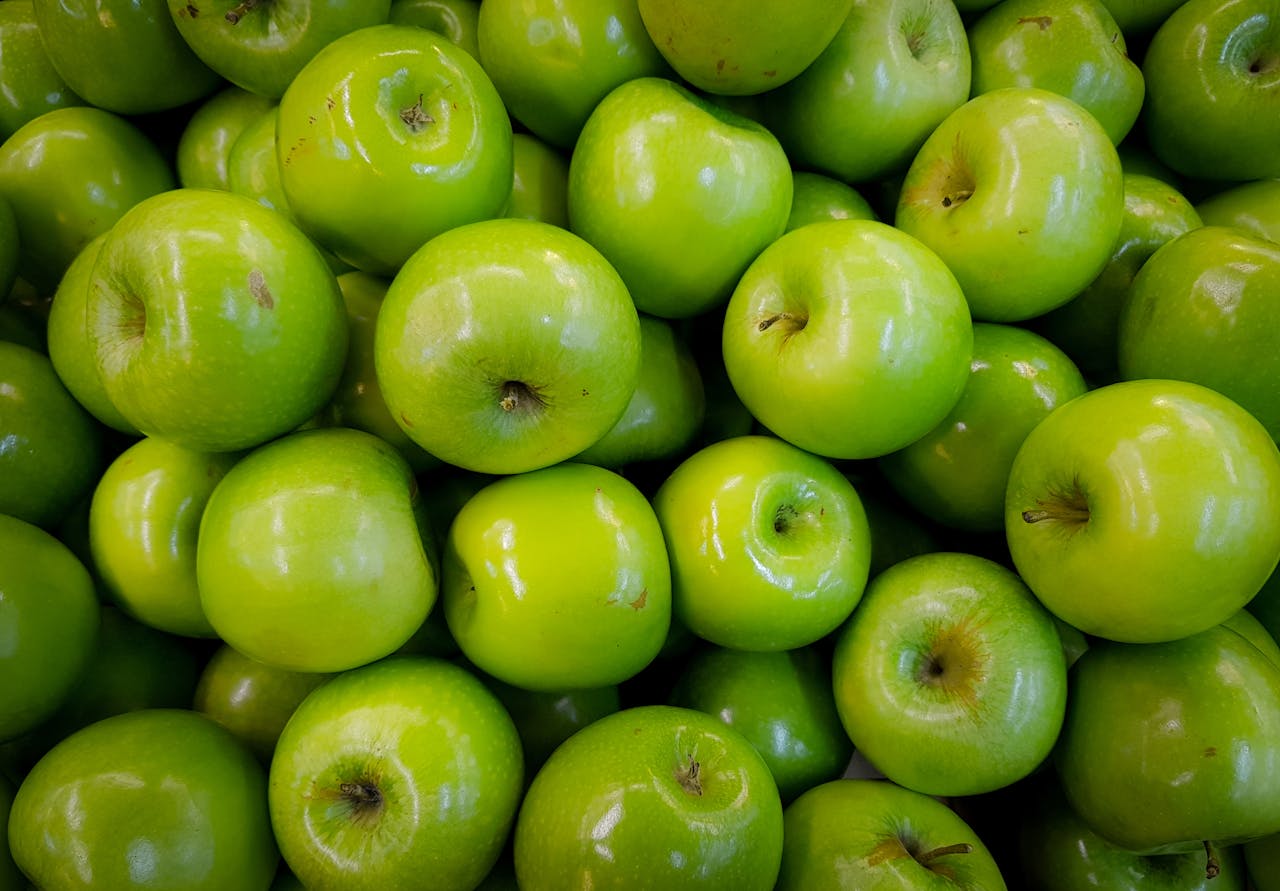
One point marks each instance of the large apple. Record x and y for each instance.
(396, 775)
(1145, 511)
(1019, 191)
(506, 346)
(29, 85)
(204, 300)
(849, 339)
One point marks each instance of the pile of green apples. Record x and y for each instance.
(640, 444)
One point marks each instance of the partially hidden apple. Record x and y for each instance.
(205, 144)
(29, 84)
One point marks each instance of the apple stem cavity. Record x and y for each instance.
(791, 322)
(1211, 865)
(240, 10)
(687, 777)
(1070, 508)
(516, 396)
(945, 851)
(414, 117)
(364, 798)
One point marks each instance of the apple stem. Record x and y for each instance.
(414, 117)
(240, 10)
(1065, 512)
(944, 851)
(687, 776)
(1211, 866)
(766, 324)
(362, 795)
(960, 196)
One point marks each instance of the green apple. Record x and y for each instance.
(667, 408)
(143, 525)
(395, 775)
(1140, 16)
(1213, 89)
(849, 339)
(507, 345)
(1262, 858)
(204, 300)
(871, 834)
(1086, 327)
(1169, 747)
(654, 797)
(389, 136)
(1204, 309)
(49, 621)
(781, 702)
(205, 145)
(546, 718)
(554, 60)
(252, 169)
(816, 199)
(950, 677)
(252, 699)
(160, 798)
(458, 20)
(1253, 207)
(523, 604)
(69, 175)
(957, 473)
(261, 45)
(1144, 511)
(1070, 47)
(1020, 192)
(29, 85)
(310, 553)
(124, 56)
(540, 185)
(50, 448)
(658, 169)
(768, 544)
(737, 48)
(903, 64)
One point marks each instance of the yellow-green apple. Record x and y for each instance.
(29, 84)
(310, 553)
(49, 619)
(1019, 191)
(859, 833)
(159, 798)
(1205, 308)
(1171, 747)
(69, 175)
(389, 136)
(736, 48)
(849, 339)
(903, 64)
(507, 345)
(651, 797)
(781, 702)
(1253, 207)
(949, 677)
(252, 166)
(540, 182)
(554, 60)
(816, 199)
(1086, 327)
(394, 775)
(261, 45)
(1140, 17)
(203, 300)
(458, 20)
(526, 608)
(124, 56)
(1070, 47)
(667, 408)
(768, 544)
(658, 169)
(143, 525)
(1144, 511)
(956, 474)
(546, 718)
(205, 144)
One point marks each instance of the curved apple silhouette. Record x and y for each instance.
(205, 144)
(29, 85)
(1253, 207)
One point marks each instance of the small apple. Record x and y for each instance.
(1136, 17)
(546, 718)
(206, 141)
(29, 84)
(1253, 207)
(458, 20)
(540, 185)
(817, 199)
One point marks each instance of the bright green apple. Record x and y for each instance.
(1070, 47)
(956, 474)
(554, 60)
(768, 544)
(654, 797)
(540, 185)
(458, 20)
(252, 168)
(657, 170)
(546, 718)
(29, 85)
(205, 145)
(816, 199)
(871, 834)
(1145, 511)
(261, 45)
(49, 621)
(1204, 309)
(69, 175)
(389, 136)
(1253, 207)
(160, 798)
(506, 346)
(903, 64)
(1019, 191)
(1213, 89)
(849, 339)
(527, 609)
(741, 48)
(396, 775)
(950, 677)
(310, 552)
(206, 300)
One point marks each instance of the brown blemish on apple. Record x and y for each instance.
(719, 66)
(687, 775)
(584, 392)
(889, 849)
(415, 117)
(639, 602)
(240, 10)
(1211, 752)
(772, 72)
(329, 103)
(258, 288)
(406, 420)
(1043, 21)
(190, 10)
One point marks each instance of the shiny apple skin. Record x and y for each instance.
(29, 85)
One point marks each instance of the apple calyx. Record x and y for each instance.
(687, 775)
(414, 117)
(1069, 507)
(927, 857)
(791, 323)
(363, 799)
(787, 518)
(1264, 64)
(1211, 865)
(240, 10)
(516, 396)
